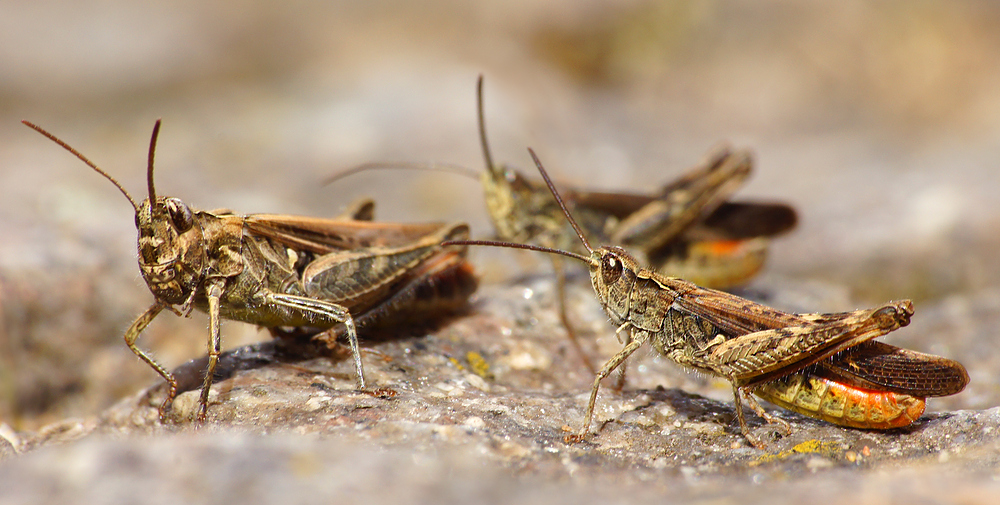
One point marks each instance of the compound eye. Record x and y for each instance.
(515, 179)
(611, 269)
(510, 175)
(180, 214)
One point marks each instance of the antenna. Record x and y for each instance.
(482, 125)
(149, 163)
(552, 188)
(91, 164)
(432, 166)
(531, 247)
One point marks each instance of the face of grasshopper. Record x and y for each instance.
(613, 273)
(507, 193)
(171, 249)
(171, 241)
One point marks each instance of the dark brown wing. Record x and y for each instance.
(689, 199)
(762, 343)
(731, 314)
(619, 205)
(741, 220)
(884, 367)
(322, 235)
(730, 221)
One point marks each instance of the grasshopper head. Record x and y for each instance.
(170, 252)
(170, 249)
(612, 272)
(510, 200)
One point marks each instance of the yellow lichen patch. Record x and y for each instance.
(457, 364)
(829, 449)
(478, 365)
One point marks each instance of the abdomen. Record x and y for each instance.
(842, 404)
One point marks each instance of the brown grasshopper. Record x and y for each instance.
(686, 229)
(759, 349)
(286, 271)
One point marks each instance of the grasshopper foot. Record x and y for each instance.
(202, 413)
(574, 438)
(785, 426)
(168, 404)
(383, 393)
(164, 414)
(754, 441)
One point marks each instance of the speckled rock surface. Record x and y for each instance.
(877, 121)
(487, 398)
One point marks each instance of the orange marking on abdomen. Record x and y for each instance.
(843, 404)
(724, 247)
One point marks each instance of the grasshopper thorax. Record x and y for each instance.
(171, 253)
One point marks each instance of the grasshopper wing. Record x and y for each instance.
(884, 367)
(321, 235)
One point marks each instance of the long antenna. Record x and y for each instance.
(149, 163)
(84, 159)
(482, 125)
(431, 166)
(514, 245)
(531, 247)
(552, 188)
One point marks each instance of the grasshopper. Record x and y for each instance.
(759, 349)
(686, 229)
(280, 271)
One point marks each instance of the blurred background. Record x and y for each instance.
(879, 122)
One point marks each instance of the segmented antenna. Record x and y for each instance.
(149, 163)
(531, 247)
(482, 125)
(552, 188)
(432, 166)
(89, 163)
(515, 245)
